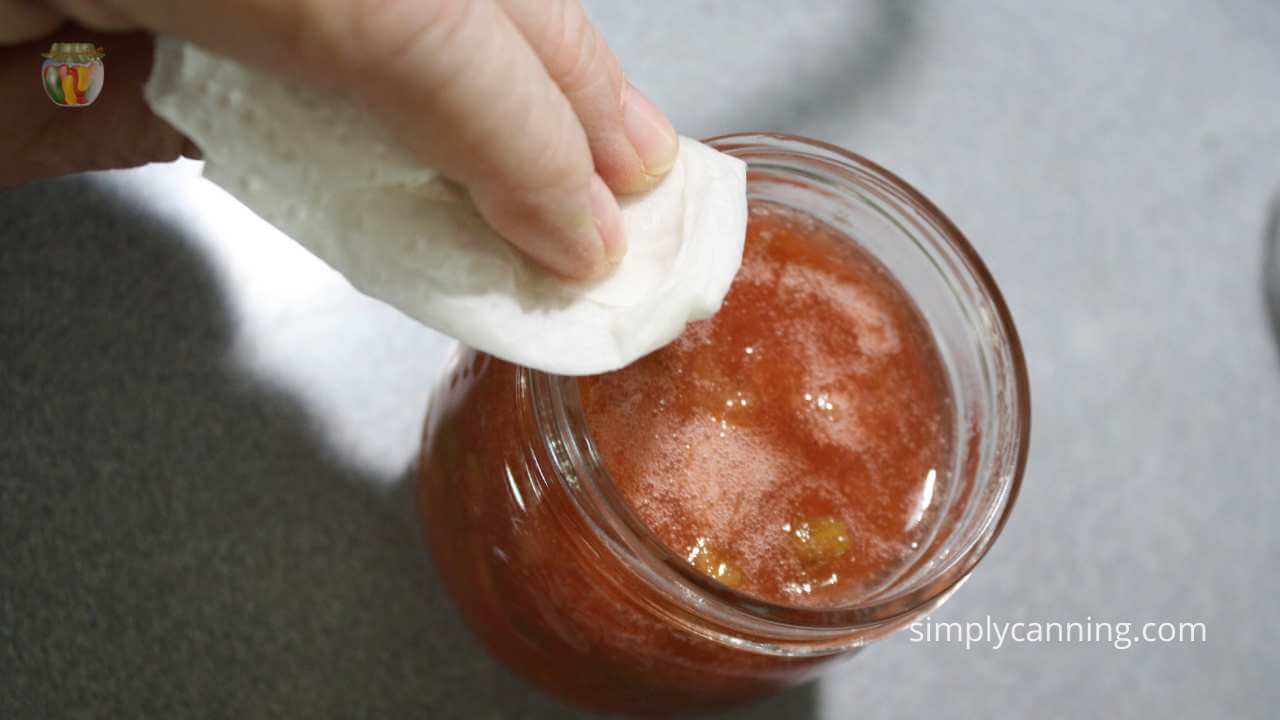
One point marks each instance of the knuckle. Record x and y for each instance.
(576, 54)
(557, 165)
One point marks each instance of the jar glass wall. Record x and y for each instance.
(562, 581)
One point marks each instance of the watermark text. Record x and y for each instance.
(996, 634)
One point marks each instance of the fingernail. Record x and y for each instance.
(650, 133)
(608, 220)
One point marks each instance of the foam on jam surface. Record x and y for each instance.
(792, 446)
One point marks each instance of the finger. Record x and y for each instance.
(470, 96)
(632, 143)
(22, 20)
(117, 131)
(457, 83)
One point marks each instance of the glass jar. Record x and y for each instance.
(562, 582)
(72, 74)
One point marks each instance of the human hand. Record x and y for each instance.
(521, 101)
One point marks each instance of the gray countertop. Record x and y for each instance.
(205, 434)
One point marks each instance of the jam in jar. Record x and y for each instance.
(814, 467)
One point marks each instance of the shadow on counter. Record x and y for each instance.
(858, 61)
(177, 539)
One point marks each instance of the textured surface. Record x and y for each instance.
(203, 433)
(315, 165)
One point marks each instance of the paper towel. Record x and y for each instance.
(315, 164)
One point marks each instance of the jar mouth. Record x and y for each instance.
(557, 407)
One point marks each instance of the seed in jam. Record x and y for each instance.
(819, 542)
(706, 559)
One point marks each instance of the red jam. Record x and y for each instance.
(790, 446)
(786, 447)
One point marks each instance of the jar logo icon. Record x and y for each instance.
(73, 74)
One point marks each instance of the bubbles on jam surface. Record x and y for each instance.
(792, 445)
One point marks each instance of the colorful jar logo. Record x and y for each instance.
(73, 73)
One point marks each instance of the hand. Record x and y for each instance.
(521, 101)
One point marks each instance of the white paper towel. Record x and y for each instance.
(315, 164)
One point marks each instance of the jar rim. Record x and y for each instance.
(626, 533)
